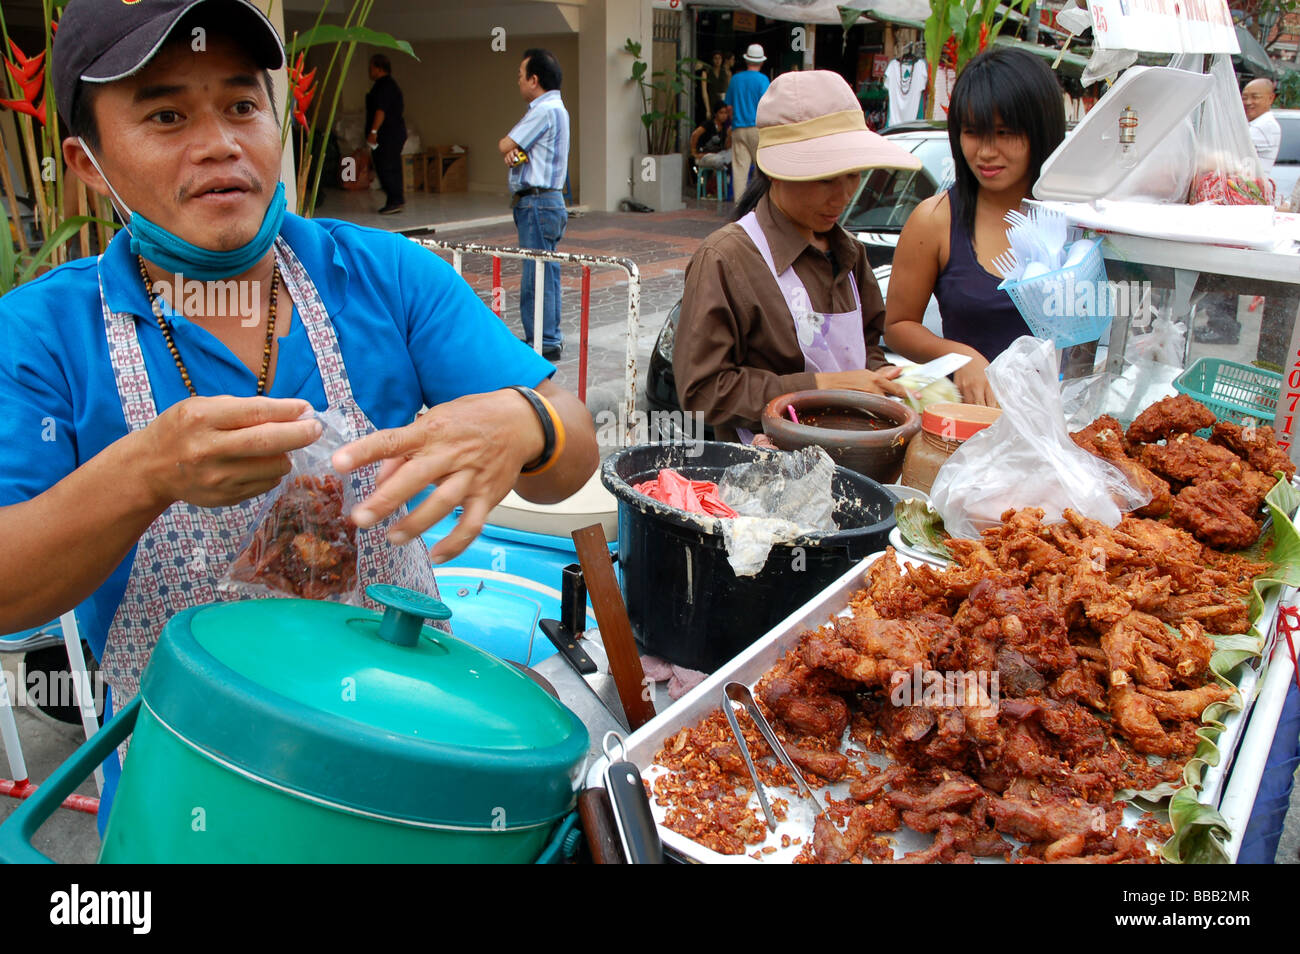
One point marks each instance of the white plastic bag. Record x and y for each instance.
(1026, 458)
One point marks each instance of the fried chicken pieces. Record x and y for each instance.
(1214, 489)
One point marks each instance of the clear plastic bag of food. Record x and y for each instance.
(1227, 169)
(1026, 458)
(302, 543)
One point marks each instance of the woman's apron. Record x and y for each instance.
(187, 548)
(829, 341)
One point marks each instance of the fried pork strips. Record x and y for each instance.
(1174, 415)
(867, 651)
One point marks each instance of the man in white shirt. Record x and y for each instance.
(1265, 133)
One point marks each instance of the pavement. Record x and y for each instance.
(661, 244)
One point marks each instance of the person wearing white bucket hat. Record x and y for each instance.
(743, 93)
(784, 299)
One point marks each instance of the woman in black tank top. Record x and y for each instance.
(1005, 117)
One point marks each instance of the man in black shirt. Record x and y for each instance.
(387, 132)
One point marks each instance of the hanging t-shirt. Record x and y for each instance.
(906, 85)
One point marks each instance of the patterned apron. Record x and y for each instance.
(187, 549)
(829, 342)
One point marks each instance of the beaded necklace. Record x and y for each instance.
(171, 343)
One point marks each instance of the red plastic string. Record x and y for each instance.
(1288, 623)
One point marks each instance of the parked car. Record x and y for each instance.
(1286, 171)
(876, 217)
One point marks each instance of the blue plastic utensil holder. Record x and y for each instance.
(1069, 306)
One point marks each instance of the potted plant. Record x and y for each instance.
(657, 173)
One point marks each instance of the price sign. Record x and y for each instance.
(1286, 423)
(1163, 26)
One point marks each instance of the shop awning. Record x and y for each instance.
(1072, 63)
(833, 11)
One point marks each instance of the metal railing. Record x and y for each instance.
(458, 251)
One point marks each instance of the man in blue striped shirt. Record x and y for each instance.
(537, 154)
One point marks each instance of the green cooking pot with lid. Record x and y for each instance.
(303, 730)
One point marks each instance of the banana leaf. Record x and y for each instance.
(330, 33)
(65, 231)
(8, 255)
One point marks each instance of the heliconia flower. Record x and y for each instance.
(302, 87)
(984, 36)
(29, 75)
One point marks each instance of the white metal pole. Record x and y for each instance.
(539, 294)
(633, 329)
(81, 684)
(9, 732)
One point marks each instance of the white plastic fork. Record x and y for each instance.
(1016, 217)
(1052, 229)
(1007, 264)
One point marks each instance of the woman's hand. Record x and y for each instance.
(973, 384)
(873, 382)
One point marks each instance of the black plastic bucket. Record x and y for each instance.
(685, 603)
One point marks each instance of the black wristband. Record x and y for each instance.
(548, 429)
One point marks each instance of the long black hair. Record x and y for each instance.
(759, 184)
(1009, 88)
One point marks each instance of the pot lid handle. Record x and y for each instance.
(405, 612)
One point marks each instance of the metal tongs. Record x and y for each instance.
(739, 692)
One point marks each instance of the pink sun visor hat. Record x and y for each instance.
(810, 126)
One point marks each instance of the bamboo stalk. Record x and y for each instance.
(83, 233)
(25, 124)
(14, 215)
(364, 14)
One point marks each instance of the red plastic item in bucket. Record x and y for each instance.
(693, 496)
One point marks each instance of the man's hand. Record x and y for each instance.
(880, 381)
(217, 451)
(472, 448)
(973, 384)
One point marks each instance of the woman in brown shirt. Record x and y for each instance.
(783, 299)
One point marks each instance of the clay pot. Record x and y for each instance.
(848, 425)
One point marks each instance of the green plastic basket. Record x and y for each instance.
(1234, 392)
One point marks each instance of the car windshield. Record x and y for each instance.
(1289, 151)
(887, 196)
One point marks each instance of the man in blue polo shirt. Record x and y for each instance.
(743, 93)
(150, 396)
(537, 153)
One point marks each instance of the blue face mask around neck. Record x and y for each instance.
(155, 244)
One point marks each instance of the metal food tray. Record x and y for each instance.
(1241, 735)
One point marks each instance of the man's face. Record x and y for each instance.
(529, 86)
(1256, 99)
(192, 143)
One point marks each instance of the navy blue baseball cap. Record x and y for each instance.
(99, 41)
